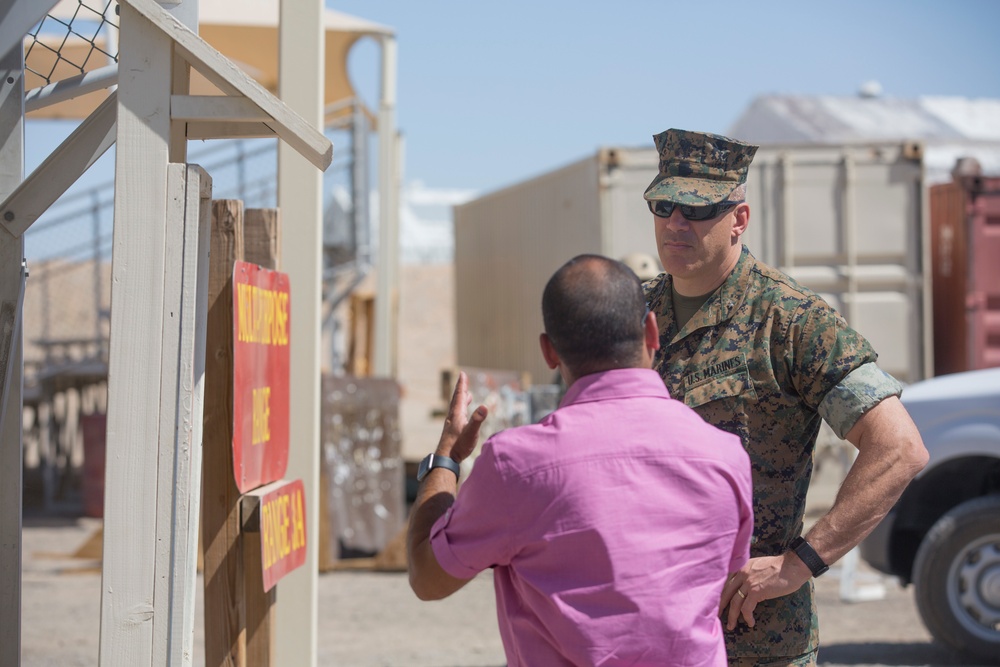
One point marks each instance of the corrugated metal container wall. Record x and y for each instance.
(984, 274)
(949, 277)
(507, 245)
(849, 223)
(628, 224)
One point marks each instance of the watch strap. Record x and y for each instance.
(808, 556)
(432, 461)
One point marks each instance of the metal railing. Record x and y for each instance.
(72, 241)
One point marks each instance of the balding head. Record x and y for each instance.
(594, 308)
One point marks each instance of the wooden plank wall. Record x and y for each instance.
(239, 615)
(225, 619)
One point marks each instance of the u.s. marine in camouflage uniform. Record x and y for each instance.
(758, 355)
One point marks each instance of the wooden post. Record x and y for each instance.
(11, 375)
(300, 198)
(262, 237)
(135, 360)
(178, 492)
(384, 356)
(259, 605)
(361, 335)
(225, 620)
(262, 247)
(239, 614)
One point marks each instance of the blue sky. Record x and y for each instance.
(493, 93)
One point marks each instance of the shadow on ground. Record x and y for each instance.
(885, 653)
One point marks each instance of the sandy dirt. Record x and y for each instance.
(369, 619)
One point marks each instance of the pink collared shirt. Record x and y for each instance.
(611, 527)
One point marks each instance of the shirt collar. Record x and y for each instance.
(617, 383)
(725, 301)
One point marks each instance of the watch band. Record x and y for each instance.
(809, 556)
(432, 461)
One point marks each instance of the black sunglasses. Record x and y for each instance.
(663, 209)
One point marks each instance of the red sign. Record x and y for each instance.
(282, 529)
(261, 333)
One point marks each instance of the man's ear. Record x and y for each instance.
(651, 331)
(741, 220)
(548, 351)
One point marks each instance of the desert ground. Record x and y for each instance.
(372, 619)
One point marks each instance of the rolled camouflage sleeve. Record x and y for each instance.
(862, 389)
(825, 351)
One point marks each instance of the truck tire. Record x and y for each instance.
(957, 578)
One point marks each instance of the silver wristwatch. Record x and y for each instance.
(432, 461)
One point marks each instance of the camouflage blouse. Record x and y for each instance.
(759, 360)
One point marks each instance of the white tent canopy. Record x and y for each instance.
(948, 127)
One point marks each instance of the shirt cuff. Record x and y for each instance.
(443, 552)
(862, 389)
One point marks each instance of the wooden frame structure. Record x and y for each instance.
(159, 307)
(155, 51)
(300, 198)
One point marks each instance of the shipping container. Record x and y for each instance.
(984, 273)
(949, 277)
(847, 221)
(965, 246)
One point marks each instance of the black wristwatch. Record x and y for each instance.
(432, 461)
(809, 556)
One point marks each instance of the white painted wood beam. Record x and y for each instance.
(12, 278)
(178, 490)
(11, 447)
(20, 17)
(135, 361)
(384, 352)
(60, 170)
(228, 130)
(300, 198)
(215, 108)
(180, 84)
(11, 315)
(230, 79)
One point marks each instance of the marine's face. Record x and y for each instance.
(700, 254)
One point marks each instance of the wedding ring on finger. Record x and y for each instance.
(742, 594)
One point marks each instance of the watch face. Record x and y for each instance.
(424, 467)
(809, 556)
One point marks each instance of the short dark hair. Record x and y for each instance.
(593, 308)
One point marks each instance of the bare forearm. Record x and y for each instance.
(890, 454)
(869, 491)
(435, 496)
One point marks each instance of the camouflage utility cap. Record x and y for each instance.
(697, 168)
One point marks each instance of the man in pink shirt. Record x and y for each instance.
(612, 525)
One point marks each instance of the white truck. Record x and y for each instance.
(943, 535)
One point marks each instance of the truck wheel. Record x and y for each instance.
(957, 578)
